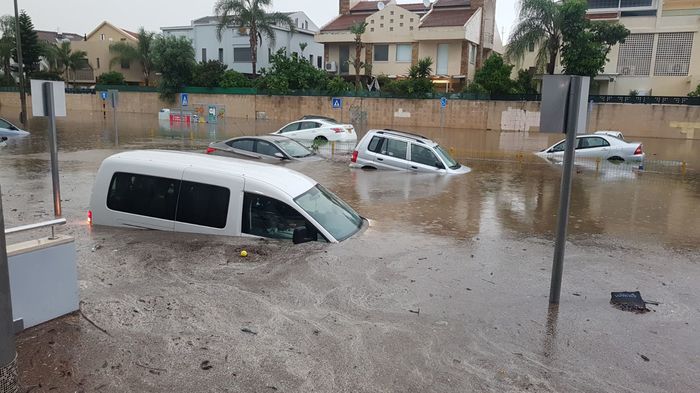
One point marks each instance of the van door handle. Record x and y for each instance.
(414, 167)
(380, 159)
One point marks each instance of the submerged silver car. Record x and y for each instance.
(403, 151)
(266, 148)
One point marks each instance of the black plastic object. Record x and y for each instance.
(629, 301)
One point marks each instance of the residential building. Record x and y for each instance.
(54, 37)
(456, 34)
(660, 57)
(234, 47)
(99, 59)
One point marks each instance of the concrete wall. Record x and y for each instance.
(663, 121)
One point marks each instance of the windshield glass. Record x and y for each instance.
(339, 219)
(293, 148)
(451, 163)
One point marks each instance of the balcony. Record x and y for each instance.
(596, 6)
(84, 75)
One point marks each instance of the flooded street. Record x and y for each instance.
(446, 291)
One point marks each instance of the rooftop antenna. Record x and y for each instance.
(426, 3)
(380, 5)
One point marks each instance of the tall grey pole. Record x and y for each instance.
(572, 119)
(114, 115)
(50, 112)
(8, 353)
(22, 94)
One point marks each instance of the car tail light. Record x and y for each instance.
(337, 130)
(351, 129)
(354, 156)
(210, 150)
(89, 217)
(639, 150)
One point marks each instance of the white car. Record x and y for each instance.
(616, 134)
(597, 145)
(318, 129)
(9, 130)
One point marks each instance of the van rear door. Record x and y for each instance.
(209, 203)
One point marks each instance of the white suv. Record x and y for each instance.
(391, 149)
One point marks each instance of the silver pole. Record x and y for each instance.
(573, 103)
(20, 65)
(8, 353)
(49, 110)
(114, 115)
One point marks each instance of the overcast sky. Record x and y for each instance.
(82, 16)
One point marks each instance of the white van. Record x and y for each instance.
(196, 193)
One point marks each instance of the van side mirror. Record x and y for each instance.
(304, 235)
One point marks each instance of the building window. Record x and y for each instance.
(404, 53)
(391, 29)
(410, 28)
(381, 52)
(221, 55)
(472, 53)
(204, 55)
(371, 29)
(125, 64)
(320, 61)
(634, 58)
(241, 55)
(269, 55)
(381, 17)
(617, 4)
(673, 54)
(391, 12)
(400, 24)
(531, 47)
(311, 59)
(98, 62)
(296, 22)
(381, 25)
(401, 16)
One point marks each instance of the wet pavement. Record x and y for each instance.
(445, 292)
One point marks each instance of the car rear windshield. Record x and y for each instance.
(339, 219)
(293, 148)
(449, 161)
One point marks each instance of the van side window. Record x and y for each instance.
(203, 204)
(144, 195)
(375, 145)
(394, 148)
(268, 217)
(423, 155)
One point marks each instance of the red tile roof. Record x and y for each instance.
(367, 6)
(414, 7)
(344, 22)
(451, 3)
(440, 18)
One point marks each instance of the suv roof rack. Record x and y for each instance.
(403, 133)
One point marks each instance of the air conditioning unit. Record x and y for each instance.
(332, 67)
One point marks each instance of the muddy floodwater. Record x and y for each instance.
(446, 291)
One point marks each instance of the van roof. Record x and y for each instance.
(287, 180)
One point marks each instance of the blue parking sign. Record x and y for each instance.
(443, 102)
(184, 99)
(103, 95)
(337, 103)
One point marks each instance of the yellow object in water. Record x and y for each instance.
(244, 253)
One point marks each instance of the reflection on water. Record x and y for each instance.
(496, 198)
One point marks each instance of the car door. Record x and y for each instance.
(593, 147)
(290, 130)
(309, 130)
(242, 148)
(393, 154)
(422, 159)
(267, 151)
(556, 152)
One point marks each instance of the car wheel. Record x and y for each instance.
(616, 159)
(369, 168)
(320, 140)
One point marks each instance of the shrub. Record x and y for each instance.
(208, 74)
(695, 93)
(232, 79)
(111, 78)
(338, 86)
(288, 73)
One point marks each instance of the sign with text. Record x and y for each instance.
(59, 98)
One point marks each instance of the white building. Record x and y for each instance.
(234, 47)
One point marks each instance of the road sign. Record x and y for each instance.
(443, 102)
(103, 95)
(184, 99)
(39, 99)
(337, 103)
(114, 97)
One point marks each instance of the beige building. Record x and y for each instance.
(660, 57)
(96, 45)
(456, 34)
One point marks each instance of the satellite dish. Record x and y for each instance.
(426, 3)
(380, 5)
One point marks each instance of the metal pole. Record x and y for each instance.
(20, 65)
(50, 112)
(565, 194)
(8, 353)
(114, 115)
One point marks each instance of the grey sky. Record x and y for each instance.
(82, 16)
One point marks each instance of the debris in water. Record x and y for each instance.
(206, 365)
(629, 301)
(96, 247)
(415, 312)
(646, 359)
(246, 330)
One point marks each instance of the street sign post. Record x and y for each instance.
(114, 101)
(337, 103)
(184, 99)
(103, 96)
(443, 102)
(564, 108)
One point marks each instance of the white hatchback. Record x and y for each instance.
(318, 129)
(598, 146)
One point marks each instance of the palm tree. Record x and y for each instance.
(422, 69)
(67, 60)
(302, 46)
(142, 53)
(539, 26)
(50, 54)
(358, 29)
(251, 15)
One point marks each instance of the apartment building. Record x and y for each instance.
(234, 47)
(660, 57)
(456, 34)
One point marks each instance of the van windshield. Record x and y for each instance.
(449, 161)
(339, 219)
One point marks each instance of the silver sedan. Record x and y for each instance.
(266, 148)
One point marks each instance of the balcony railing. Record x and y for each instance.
(86, 75)
(624, 5)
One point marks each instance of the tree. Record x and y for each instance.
(7, 47)
(251, 15)
(111, 78)
(524, 83)
(232, 79)
(50, 54)
(142, 52)
(539, 26)
(174, 57)
(302, 47)
(288, 73)
(418, 83)
(586, 44)
(208, 74)
(31, 50)
(493, 77)
(422, 69)
(358, 29)
(695, 93)
(67, 60)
